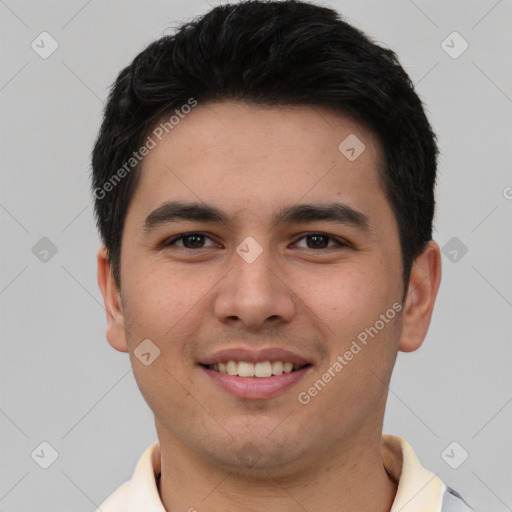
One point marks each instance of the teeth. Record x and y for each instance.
(277, 368)
(287, 367)
(232, 368)
(245, 369)
(263, 369)
(260, 370)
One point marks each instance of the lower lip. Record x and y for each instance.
(256, 387)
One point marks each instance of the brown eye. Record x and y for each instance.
(321, 241)
(189, 241)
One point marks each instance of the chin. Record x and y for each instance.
(258, 459)
(259, 450)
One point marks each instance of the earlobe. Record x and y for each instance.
(423, 286)
(116, 332)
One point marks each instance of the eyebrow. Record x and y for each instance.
(174, 211)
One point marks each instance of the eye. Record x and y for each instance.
(191, 240)
(321, 241)
(196, 240)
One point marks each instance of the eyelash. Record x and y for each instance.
(170, 242)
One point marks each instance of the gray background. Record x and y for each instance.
(61, 382)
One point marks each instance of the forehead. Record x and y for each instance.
(240, 156)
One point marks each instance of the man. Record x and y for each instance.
(264, 188)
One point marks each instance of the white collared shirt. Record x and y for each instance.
(418, 490)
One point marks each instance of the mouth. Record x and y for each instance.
(259, 370)
(256, 381)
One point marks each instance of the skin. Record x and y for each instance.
(250, 161)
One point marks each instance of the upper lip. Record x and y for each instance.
(254, 356)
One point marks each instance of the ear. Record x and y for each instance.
(116, 333)
(421, 295)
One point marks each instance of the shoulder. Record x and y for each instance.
(141, 491)
(116, 501)
(454, 502)
(418, 488)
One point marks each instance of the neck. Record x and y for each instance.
(349, 478)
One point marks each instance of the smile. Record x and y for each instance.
(259, 370)
(255, 381)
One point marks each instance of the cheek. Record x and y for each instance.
(342, 297)
(347, 305)
(159, 296)
(163, 306)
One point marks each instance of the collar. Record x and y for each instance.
(418, 490)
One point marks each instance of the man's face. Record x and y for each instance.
(250, 284)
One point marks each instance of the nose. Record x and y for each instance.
(256, 293)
